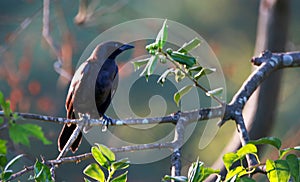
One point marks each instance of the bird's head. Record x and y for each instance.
(109, 49)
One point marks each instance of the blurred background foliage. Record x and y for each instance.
(29, 81)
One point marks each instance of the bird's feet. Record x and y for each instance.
(106, 122)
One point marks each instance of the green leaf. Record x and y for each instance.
(151, 65)
(180, 93)
(194, 173)
(121, 178)
(12, 161)
(267, 140)
(95, 172)
(106, 152)
(99, 157)
(235, 172)
(120, 164)
(277, 171)
(176, 178)
(229, 159)
(189, 61)
(293, 163)
(196, 68)
(215, 92)
(20, 133)
(3, 160)
(3, 149)
(208, 171)
(41, 172)
(246, 149)
(189, 46)
(139, 63)
(283, 152)
(204, 71)
(6, 175)
(163, 77)
(5, 105)
(162, 36)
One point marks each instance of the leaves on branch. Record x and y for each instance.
(20, 133)
(180, 93)
(107, 159)
(95, 172)
(187, 47)
(267, 140)
(41, 172)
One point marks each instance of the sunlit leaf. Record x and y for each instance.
(12, 161)
(246, 149)
(208, 171)
(99, 157)
(215, 92)
(163, 77)
(107, 152)
(121, 178)
(95, 172)
(120, 164)
(229, 159)
(180, 93)
(162, 35)
(197, 172)
(189, 61)
(283, 152)
(267, 140)
(20, 133)
(204, 71)
(152, 64)
(293, 163)
(42, 172)
(3, 146)
(189, 46)
(235, 172)
(139, 63)
(196, 68)
(194, 173)
(277, 171)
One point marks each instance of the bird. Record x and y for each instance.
(92, 88)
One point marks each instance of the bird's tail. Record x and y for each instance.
(65, 135)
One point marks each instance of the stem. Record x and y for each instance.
(110, 174)
(192, 79)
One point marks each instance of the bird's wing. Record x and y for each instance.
(115, 82)
(79, 77)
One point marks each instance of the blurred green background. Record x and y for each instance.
(28, 79)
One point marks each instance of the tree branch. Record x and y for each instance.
(268, 62)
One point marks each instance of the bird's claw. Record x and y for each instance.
(106, 122)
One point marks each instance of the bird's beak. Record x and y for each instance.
(125, 47)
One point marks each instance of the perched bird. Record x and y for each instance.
(92, 88)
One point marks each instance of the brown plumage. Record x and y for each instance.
(92, 87)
